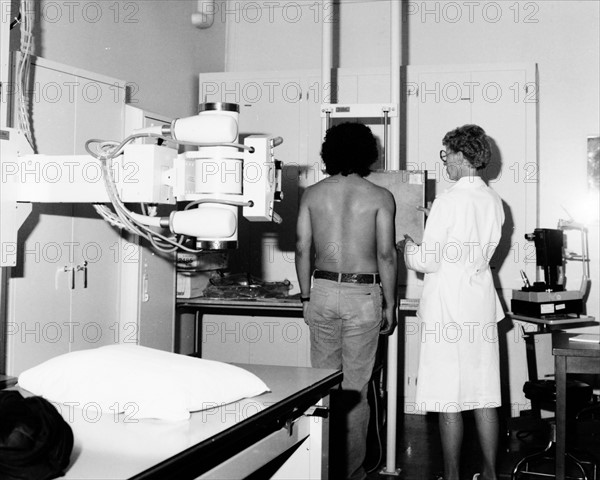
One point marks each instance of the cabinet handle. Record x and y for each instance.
(85, 271)
(72, 270)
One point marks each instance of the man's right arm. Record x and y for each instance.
(387, 260)
(303, 246)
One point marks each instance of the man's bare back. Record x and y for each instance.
(348, 220)
(343, 216)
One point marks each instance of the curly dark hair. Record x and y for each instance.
(349, 148)
(472, 141)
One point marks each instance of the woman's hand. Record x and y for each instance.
(425, 210)
(401, 245)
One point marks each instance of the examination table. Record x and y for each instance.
(280, 432)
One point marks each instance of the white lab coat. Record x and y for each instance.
(459, 308)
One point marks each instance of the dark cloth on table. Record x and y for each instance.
(35, 440)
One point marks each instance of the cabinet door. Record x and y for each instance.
(99, 113)
(256, 340)
(39, 297)
(501, 99)
(39, 305)
(95, 296)
(310, 146)
(156, 320)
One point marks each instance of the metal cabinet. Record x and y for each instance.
(63, 295)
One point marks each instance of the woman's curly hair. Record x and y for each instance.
(349, 148)
(472, 141)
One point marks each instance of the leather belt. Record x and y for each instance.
(366, 278)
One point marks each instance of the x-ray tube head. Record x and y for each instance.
(216, 223)
(217, 173)
(216, 123)
(200, 129)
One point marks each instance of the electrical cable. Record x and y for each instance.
(125, 219)
(23, 65)
(377, 429)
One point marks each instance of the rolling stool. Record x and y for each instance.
(588, 422)
(542, 394)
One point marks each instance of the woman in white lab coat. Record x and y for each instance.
(459, 308)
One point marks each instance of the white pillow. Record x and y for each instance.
(139, 381)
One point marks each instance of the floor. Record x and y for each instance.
(419, 450)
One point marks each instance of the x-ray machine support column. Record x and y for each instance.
(393, 163)
(327, 60)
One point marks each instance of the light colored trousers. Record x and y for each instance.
(345, 320)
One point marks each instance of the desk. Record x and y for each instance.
(266, 304)
(569, 357)
(231, 441)
(546, 325)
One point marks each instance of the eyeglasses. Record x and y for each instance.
(443, 156)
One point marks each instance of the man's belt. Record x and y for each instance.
(366, 278)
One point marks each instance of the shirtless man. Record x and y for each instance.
(350, 223)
